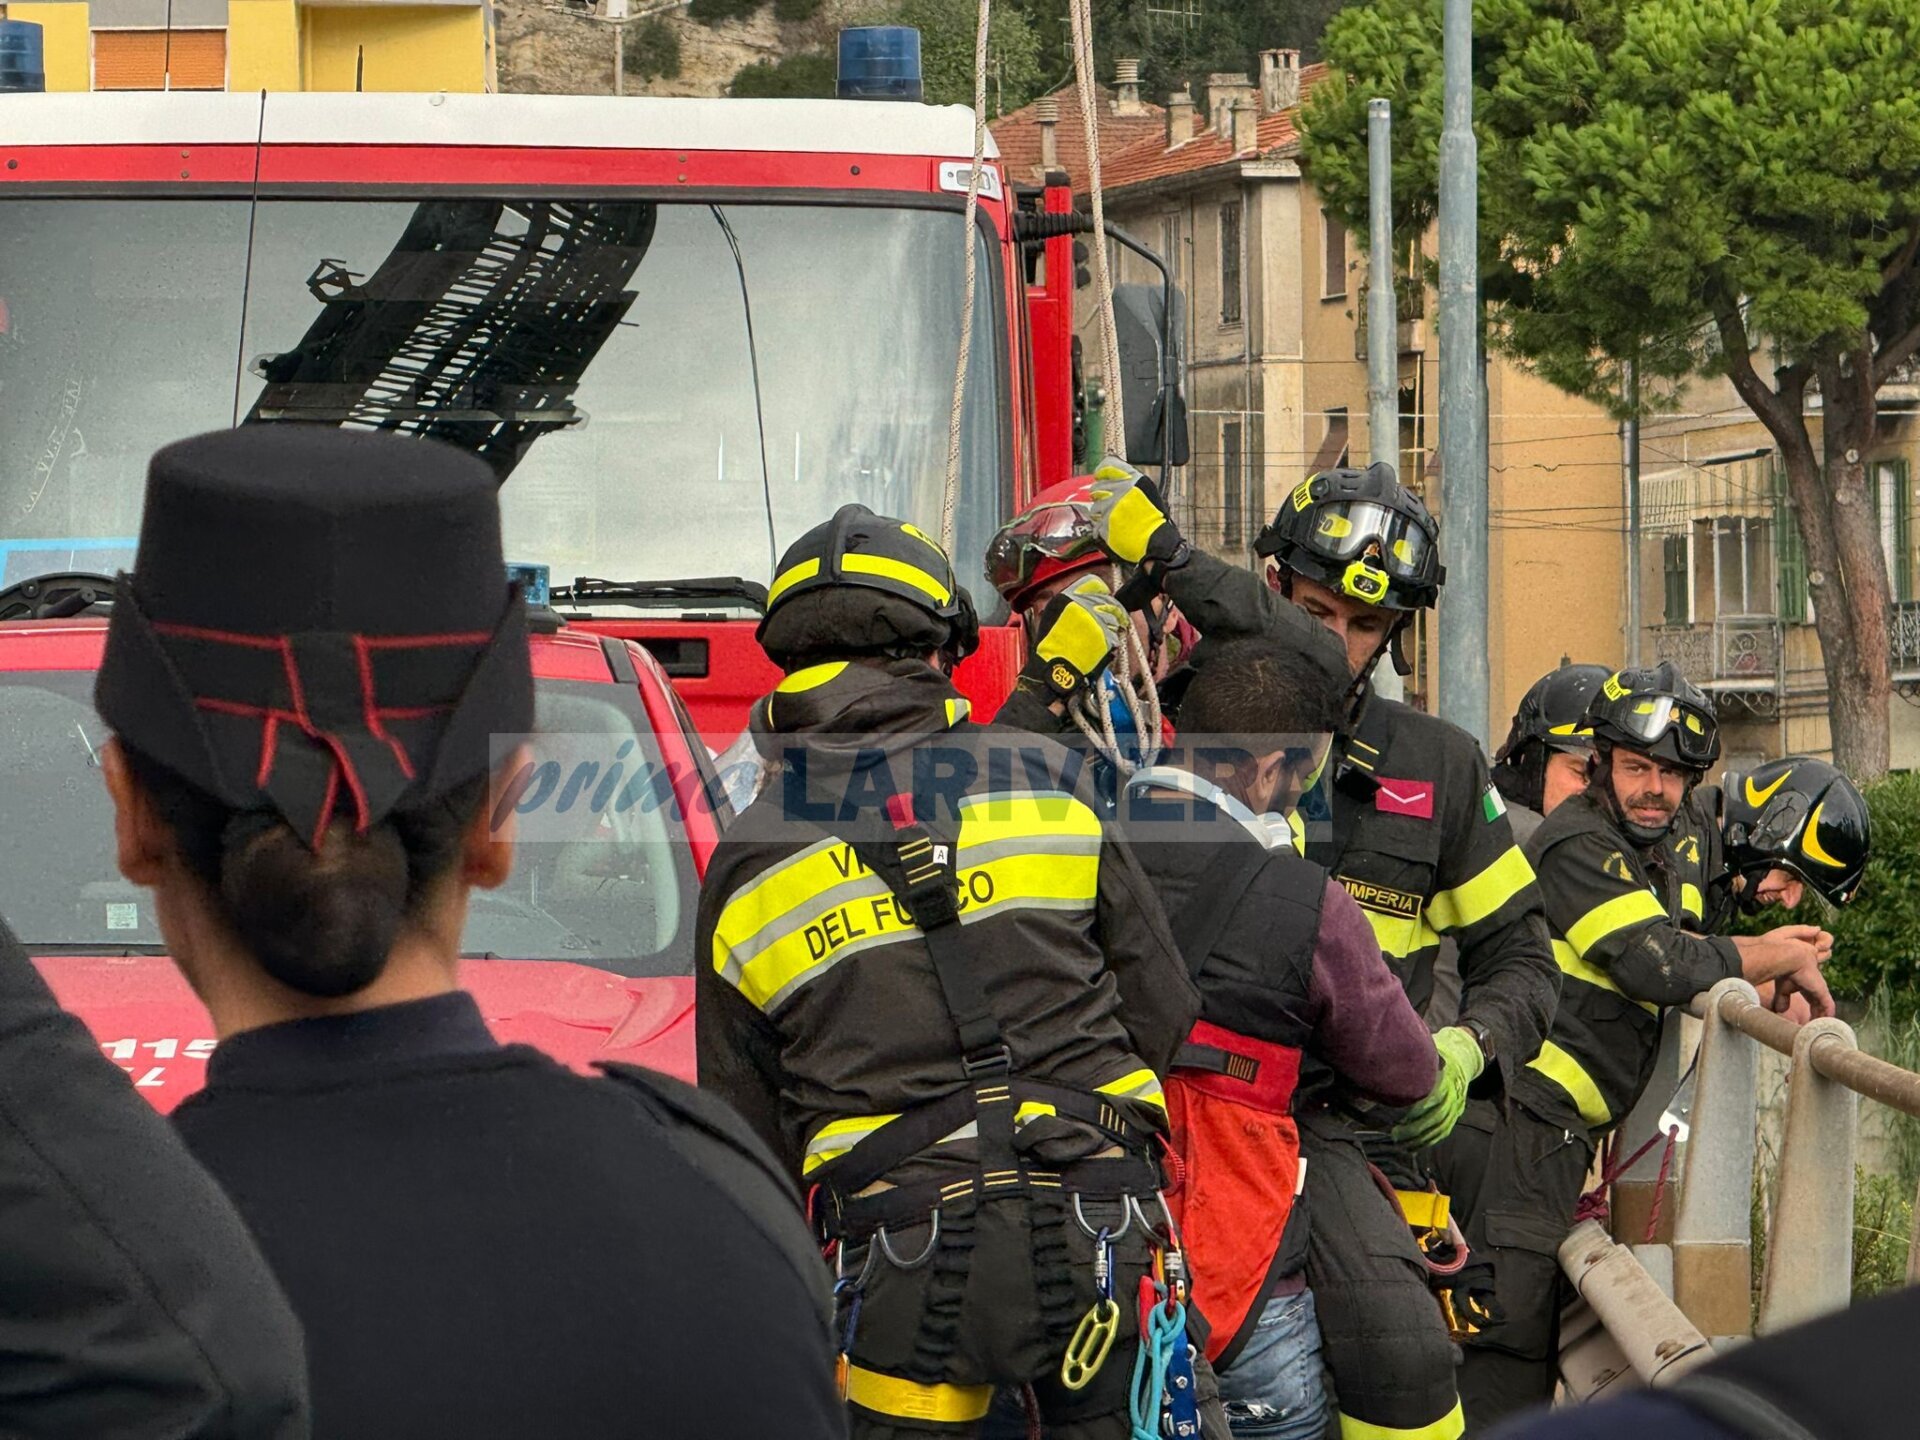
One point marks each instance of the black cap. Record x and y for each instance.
(1554, 711)
(1360, 533)
(1656, 711)
(319, 622)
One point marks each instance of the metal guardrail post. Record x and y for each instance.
(1810, 1244)
(1658, 1340)
(1713, 1231)
(1637, 1189)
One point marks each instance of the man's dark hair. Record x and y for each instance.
(1251, 692)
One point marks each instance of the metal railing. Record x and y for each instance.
(1732, 648)
(1709, 1264)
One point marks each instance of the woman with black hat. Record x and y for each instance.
(305, 676)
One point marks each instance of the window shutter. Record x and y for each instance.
(198, 60)
(129, 60)
(1790, 557)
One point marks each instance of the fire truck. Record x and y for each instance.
(680, 331)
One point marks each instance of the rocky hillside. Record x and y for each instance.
(553, 47)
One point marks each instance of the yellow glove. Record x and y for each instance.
(1130, 518)
(1077, 635)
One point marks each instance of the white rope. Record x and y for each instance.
(950, 497)
(1081, 14)
(1093, 717)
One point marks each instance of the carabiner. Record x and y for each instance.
(885, 1243)
(1126, 1220)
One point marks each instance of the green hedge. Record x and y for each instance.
(1876, 939)
(712, 12)
(653, 50)
(796, 77)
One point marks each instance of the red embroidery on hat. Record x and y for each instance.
(363, 653)
(269, 742)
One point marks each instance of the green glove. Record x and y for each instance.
(1433, 1119)
(1077, 635)
(1129, 517)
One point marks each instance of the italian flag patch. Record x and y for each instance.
(1491, 805)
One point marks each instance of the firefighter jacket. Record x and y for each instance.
(820, 1014)
(1286, 965)
(1413, 827)
(1626, 922)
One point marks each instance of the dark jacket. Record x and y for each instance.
(1416, 832)
(133, 1302)
(1626, 922)
(820, 1016)
(482, 1244)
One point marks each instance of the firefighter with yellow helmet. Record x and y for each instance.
(941, 994)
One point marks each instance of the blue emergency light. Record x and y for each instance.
(23, 57)
(880, 62)
(536, 587)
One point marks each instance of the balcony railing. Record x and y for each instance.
(1737, 648)
(1903, 634)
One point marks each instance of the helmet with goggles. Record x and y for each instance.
(1360, 533)
(1052, 538)
(1656, 712)
(1799, 815)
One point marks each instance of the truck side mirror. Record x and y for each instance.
(1149, 337)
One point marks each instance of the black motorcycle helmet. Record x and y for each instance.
(866, 584)
(1551, 717)
(1656, 712)
(1361, 533)
(1800, 815)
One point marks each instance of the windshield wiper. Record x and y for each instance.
(588, 591)
(109, 949)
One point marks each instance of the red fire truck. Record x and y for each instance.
(681, 331)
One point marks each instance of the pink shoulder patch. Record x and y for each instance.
(1404, 797)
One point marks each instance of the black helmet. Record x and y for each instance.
(1552, 716)
(1801, 815)
(1362, 533)
(866, 583)
(1657, 712)
(1554, 711)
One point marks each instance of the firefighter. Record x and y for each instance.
(304, 679)
(1624, 869)
(1785, 825)
(133, 1302)
(1544, 759)
(1287, 965)
(1410, 823)
(936, 987)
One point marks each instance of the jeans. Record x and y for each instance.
(1275, 1389)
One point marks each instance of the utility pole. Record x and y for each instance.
(1383, 321)
(1630, 443)
(1464, 633)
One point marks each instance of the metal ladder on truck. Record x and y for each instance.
(476, 329)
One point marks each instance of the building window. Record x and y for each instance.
(1230, 263)
(1233, 498)
(1679, 587)
(1333, 258)
(159, 60)
(1743, 580)
(1893, 499)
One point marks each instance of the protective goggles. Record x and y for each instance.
(1053, 532)
(1353, 529)
(1649, 720)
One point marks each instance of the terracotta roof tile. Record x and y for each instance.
(1018, 135)
(1150, 159)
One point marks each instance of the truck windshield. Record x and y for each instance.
(666, 389)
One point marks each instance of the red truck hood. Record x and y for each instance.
(148, 1020)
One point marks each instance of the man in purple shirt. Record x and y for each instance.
(1288, 969)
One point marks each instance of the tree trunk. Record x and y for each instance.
(1851, 595)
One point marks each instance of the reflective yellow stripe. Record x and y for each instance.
(957, 710)
(1032, 1110)
(1620, 913)
(903, 1399)
(837, 1137)
(1485, 893)
(1141, 1085)
(1427, 1209)
(913, 575)
(1691, 900)
(1566, 1072)
(1400, 935)
(1573, 965)
(1450, 1426)
(805, 570)
(811, 678)
(1018, 850)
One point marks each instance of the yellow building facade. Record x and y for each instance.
(249, 45)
